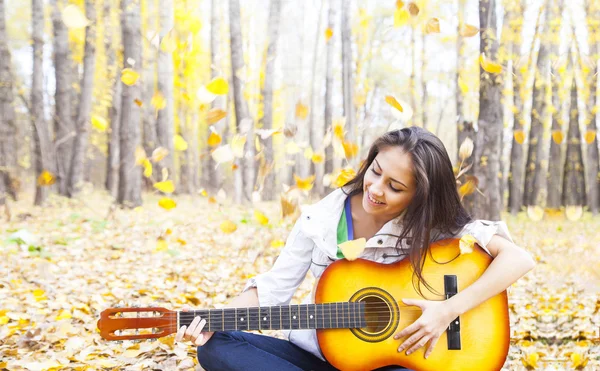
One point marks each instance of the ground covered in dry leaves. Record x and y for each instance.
(63, 264)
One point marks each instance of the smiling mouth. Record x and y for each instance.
(373, 200)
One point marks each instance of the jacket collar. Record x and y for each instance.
(320, 221)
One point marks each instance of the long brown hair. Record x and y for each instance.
(436, 202)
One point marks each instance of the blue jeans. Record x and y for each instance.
(239, 351)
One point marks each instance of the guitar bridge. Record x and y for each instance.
(453, 331)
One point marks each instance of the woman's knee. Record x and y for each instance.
(209, 353)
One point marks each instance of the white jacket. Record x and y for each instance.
(312, 244)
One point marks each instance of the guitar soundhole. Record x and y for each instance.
(378, 314)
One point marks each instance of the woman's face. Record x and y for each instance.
(390, 181)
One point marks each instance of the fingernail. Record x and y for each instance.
(408, 352)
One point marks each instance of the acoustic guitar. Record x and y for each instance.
(358, 309)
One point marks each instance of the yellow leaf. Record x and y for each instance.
(399, 4)
(466, 244)
(519, 136)
(467, 188)
(579, 360)
(214, 139)
(468, 30)
(212, 200)
(147, 168)
(557, 136)
(64, 314)
(328, 34)
(45, 178)
(158, 101)
(413, 9)
(159, 153)
(277, 243)
(99, 123)
(180, 143)
(218, 86)
(228, 227)
(338, 129)
(261, 218)
(305, 184)
(394, 103)
(352, 249)
(590, 135)
(317, 158)
(488, 65)
(531, 360)
(574, 213)
(432, 26)
(350, 149)
(167, 203)
(215, 115)
(237, 145)
(181, 241)
(463, 85)
(140, 155)
(301, 111)
(535, 213)
(168, 43)
(129, 76)
(161, 244)
(257, 144)
(165, 186)
(138, 102)
(344, 176)
(401, 17)
(73, 17)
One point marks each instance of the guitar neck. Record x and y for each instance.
(284, 317)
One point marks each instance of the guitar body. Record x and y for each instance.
(484, 331)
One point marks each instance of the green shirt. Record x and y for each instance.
(344, 229)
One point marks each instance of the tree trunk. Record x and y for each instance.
(63, 125)
(533, 169)
(85, 102)
(347, 82)
(424, 96)
(515, 176)
(555, 168)
(244, 175)
(164, 123)
(270, 191)
(573, 193)
(490, 123)
(312, 126)
(328, 127)
(41, 131)
(149, 111)
(8, 127)
(129, 194)
(592, 175)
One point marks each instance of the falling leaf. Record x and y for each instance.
(317, 158)
(574, 213)
(467, 188)
(301, 111)
(557, 136)
(590, 135)
(45, 178)
(218, 86)
(140, 155)
(158, 101)
(468, 30)
(215, 115)
(350, 149)
(180, 143)
(432, 26)
(159, 153)
(237, 145)
(214, 139)
(399, 4)
(129, 76)
(228, 227)
(413, 9)
(401, 17)
(338, 129)
(167, 203)
(291, 148)
(328, 34)
(519, 136)
(165, 186)
(352, 249)
(394, 103)
(466, 149)
(464, 88)
(344, 176)
(261, 218)
(147, 168)
(168, 44)
(466, 244)
(222, 154)
(99, 123)
(73, 17)
(138, 102)
(535, 213)
(305, 184)
(488, 65)
(204, 96)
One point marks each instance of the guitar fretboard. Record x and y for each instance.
(286, 317)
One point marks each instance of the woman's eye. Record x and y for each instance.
(392, 188)
(376, 173)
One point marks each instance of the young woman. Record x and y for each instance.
(403, 198)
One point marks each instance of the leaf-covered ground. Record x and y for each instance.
(64, 264)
